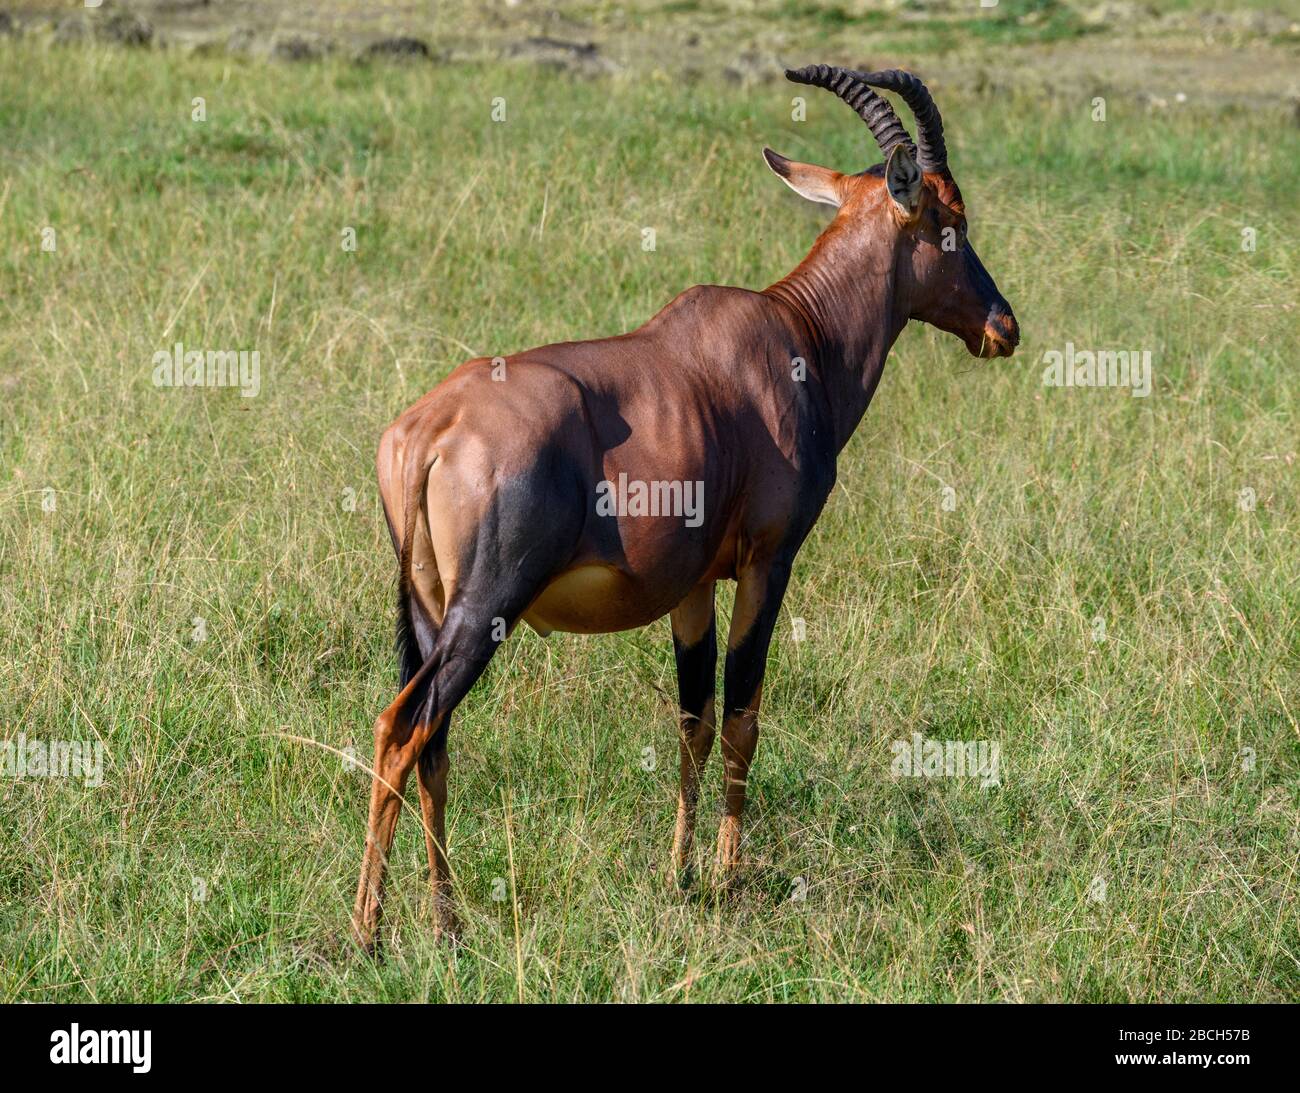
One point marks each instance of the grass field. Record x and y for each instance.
(1104, 586)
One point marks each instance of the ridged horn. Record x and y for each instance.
(932, 155)
(870, 107)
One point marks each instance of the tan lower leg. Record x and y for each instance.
(433, 769)
(393, 762)
(696, 738)
(739, 739)
(366, 912)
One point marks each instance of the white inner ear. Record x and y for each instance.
(814, 189)
(903, 178)
(805, 179)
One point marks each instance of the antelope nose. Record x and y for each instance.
(1002, 329)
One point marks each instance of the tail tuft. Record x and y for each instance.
(405, 645)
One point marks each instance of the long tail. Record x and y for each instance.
(406, 646)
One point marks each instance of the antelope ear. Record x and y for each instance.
(903, 179)
(806, 179)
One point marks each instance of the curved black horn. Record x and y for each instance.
(932, 155)
(870, 107)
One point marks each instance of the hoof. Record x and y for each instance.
(354, 951)
(726, 876)
(446, 926)
(362, 942)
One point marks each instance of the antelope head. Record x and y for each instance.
(913, 203)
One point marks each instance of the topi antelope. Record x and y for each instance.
(493, 490)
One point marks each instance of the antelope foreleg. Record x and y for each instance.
(695, 647)
(759, 592)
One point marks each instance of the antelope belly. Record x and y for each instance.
(592, 599)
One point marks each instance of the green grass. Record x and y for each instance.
(1121, 760)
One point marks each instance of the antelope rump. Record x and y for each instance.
(492, 483)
